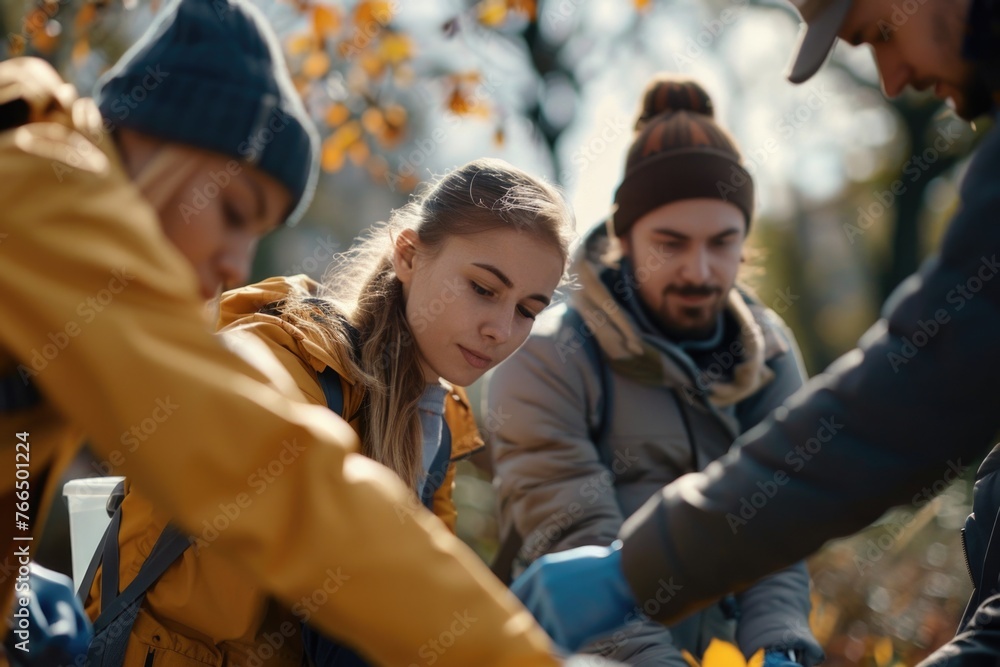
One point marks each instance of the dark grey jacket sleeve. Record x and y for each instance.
(978, 644)
(920, 392)
(774, 612)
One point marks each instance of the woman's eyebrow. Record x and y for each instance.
(501, 276)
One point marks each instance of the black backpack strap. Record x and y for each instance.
(122, 609)
(17, 392)
(510, 546)
(108, 648)
(168, 548)
(114, 501)
(438, 469)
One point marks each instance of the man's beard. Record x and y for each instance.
(977, 98)
(696, 322)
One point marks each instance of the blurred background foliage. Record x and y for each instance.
(854, 192)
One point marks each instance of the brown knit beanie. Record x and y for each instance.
(679, 152)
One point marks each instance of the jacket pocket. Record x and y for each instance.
(152, 645)
(152, 656)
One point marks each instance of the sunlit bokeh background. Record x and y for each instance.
(854, 191)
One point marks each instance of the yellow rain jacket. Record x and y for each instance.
(203, 611)
(103, 315)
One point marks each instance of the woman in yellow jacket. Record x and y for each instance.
(423, 305)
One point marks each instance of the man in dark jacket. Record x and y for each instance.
(919, 397)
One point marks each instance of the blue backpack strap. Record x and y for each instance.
(329, 381)
(599, 431)
(323, 651)
(438, 469)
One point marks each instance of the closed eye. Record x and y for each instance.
(526, 313)
(479, 289)
(233, 218)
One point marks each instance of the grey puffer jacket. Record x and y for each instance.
(596, 414)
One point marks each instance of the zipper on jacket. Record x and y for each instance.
(965, 554)
(149, 657)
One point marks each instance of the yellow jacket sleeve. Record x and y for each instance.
(274, 484)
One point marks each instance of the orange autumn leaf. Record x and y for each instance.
(337, 145)
(43, 41)
(80, 52)
(316, 65)
(395, 48)
(337, 114)
(883, 652)
(300, 44)
(527, 7)
(358, 152)
(723, 654)
(491, 13)
(372, 64)
(458, 102)
(368, 12)
(391, 137)
(689, 659)
(377, 123)
(346, 135)
(373, 121)
(823, 619)
(395, 115)
(462, 103)
(326, 21)
(85, 16)
(332, 157)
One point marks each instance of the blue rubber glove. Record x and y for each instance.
(52, 627)
(780, 658)
(578, 594)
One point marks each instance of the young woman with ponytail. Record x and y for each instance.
(423, 305)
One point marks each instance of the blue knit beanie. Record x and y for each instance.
(210, 74)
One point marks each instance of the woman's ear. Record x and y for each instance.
(404, 251)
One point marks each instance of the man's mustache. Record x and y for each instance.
(692, 290)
